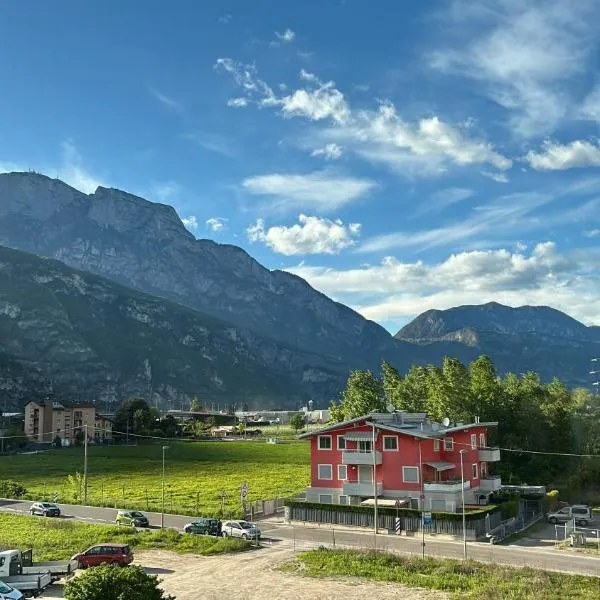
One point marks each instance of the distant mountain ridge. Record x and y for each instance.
(144, 246)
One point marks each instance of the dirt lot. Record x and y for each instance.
(253, 576)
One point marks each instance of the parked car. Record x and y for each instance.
(204, 526)
(112, 554)
(45, 509)
(241, 529)
(133, 518)
(9, 593)
(582, 513)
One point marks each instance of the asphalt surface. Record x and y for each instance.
(302, 537)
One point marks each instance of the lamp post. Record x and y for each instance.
(162, 514)
(375, 511)
(462, 492)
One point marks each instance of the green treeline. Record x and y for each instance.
(531, 415)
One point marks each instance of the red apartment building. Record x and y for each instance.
(413, 459)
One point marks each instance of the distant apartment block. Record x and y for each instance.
(45, 421)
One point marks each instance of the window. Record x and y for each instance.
(364, 446)
(325, 472)
(448, 443)
(343, 499)
(483, 469)
(325, 498)
(473, 441)
(410, 474)
(341, 442)
(390, 442)
(342, 472)
(474, 468)
(482, 440)
(436, 445)
(324, 442)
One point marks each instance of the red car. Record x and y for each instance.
(112, 554)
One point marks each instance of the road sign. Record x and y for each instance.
(244, 493)
(427, 520)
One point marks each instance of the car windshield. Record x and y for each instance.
(125, 550)
(4, 589)
(246, 525)
(48, 505)
(137, 514)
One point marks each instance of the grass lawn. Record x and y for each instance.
(56, 539)
(471, 580)
(196, 474)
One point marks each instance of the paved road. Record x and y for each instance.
(303, 537)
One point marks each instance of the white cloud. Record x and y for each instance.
(393, 290)
(564, 156)
(190, 222)
(312, 235)
(506, 213)
(72, 171)
(285, 37)
(525, 54)
(319, 190)
(213, 142)
(237, 102)
(225, 19)
(497, 177)
(443, 199)
(592, 233)
(428, 146)
(165, 100)
(590, 109)
(329, 152)
(165, 191)
(216, 224)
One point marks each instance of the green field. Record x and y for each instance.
(461, 580)
(57, 539)
(196, 474)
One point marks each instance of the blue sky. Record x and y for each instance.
(400, 156)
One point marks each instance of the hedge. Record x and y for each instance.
(385, 510)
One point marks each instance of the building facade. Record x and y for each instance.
(402, 456)
(46, 421)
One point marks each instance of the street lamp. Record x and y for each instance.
(462, 492)
(162, 515)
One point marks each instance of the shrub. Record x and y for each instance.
(112, 583)
(11, 489)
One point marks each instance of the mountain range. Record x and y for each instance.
(134, 303)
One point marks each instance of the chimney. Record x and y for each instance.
(476, 419)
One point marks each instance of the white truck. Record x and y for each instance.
(582, 513)
(18, 570)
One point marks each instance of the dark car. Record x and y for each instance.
(204, 526)
(100, 554)
(45, 509)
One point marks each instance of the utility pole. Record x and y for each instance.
(422, 502)
(85, 464)
(162, 515)
(375, 511)
(462, 491)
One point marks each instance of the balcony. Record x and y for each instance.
(356, 457)
(489, 454)
(490, 484)
(446, 487)
(361, 488)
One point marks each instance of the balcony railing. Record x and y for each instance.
(489, 454)
(448, 487)
(490, 484)
(361, 488)
(356, 457)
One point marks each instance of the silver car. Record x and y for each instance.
(241, 529)
(9, 593)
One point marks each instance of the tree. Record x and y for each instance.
(195, 405)
(109, 583)
(392, 384)
(297, 422)
(124, 417)
(413, 393)
(363, 394)
(57, 441)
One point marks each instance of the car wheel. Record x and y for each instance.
(80, 565)
(244, 536)
(114, 563)
(583, 523)
(224, 533)
(553, 520)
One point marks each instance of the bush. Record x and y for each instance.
(11, 489)
(112, 583)
(551, 501)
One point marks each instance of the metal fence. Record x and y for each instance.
(476, 527)
(261, 509)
